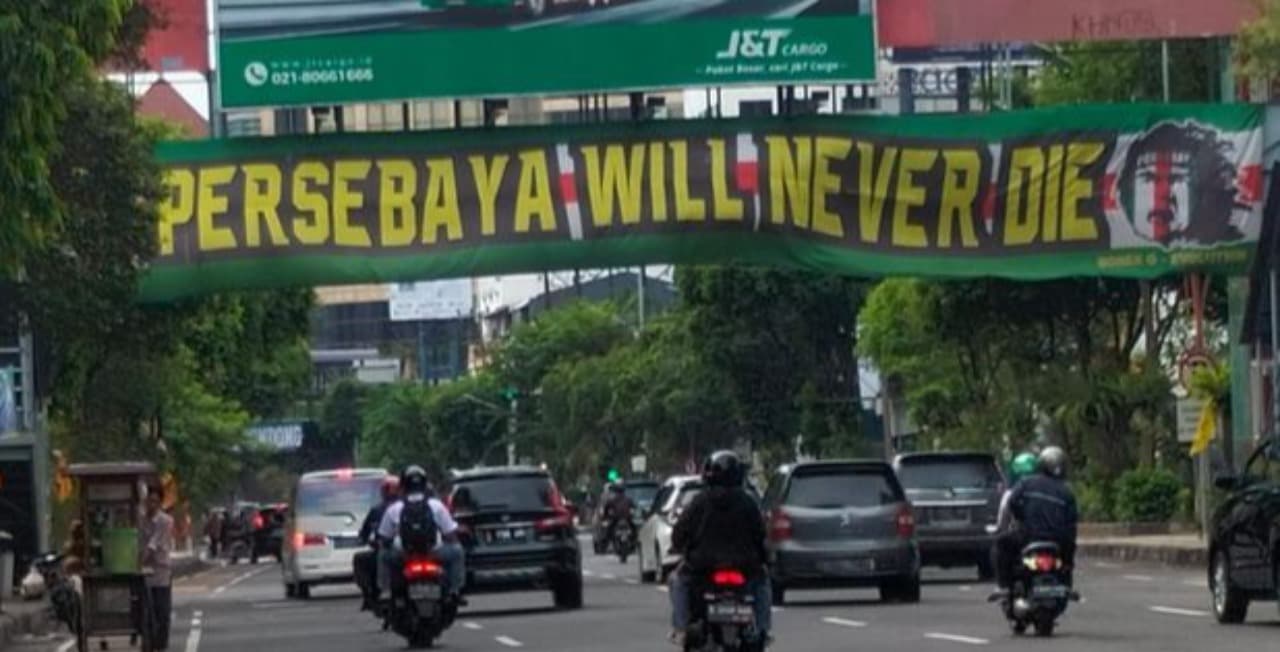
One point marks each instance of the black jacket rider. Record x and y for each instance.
(722, 526)
(1046, 510)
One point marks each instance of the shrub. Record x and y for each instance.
(1094, 500)
(1147, 496)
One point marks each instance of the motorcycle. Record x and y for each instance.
(419, 610)
(722, 615)
(1040, 591)
(625, 540)
(63, 596)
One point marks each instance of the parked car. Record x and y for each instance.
(268, 532)
(1244, 551)
(518, 533)
(841, 524)
(956, 500)
(654, 557)
(641, 493)
(327, 508)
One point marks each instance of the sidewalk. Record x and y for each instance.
(1184, 550)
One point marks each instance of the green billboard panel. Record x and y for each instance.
(293, 52)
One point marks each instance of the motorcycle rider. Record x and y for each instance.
(414, 487)
(1008, 534)
(1045, 509)
(366, 562)
(722, 526)
(618, 507)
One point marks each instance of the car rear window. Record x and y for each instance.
(949, 473)
(524, 493)
(338, 496)
(642, 494)
(835, 488)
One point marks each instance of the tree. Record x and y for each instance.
(769, 332)
(1259, 43)
(1127, 71)
(43, 47)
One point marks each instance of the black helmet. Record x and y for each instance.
(723, 469)
(414, 480)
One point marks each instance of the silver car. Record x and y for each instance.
(841, 524)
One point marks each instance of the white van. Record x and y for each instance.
(325, 513)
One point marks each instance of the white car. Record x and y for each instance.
(320, 537)
(653, 552)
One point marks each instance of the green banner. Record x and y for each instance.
(1131, 190)
(281, 52)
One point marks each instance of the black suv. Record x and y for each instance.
(518, 532)
(1244, 552)
(956, 497)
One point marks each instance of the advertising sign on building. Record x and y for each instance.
(447, 299)
(1135, 191)
(934, 23)
(288, 52)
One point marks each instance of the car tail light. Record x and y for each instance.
(728, 577)
(906, 522)
(422, 569)
(258, 521)
(307, 539)
(345, 474)
(560, 520)
(779, 526)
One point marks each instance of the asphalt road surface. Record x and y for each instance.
(275, 18)
(1126, 609)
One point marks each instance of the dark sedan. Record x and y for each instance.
(1244, 553)
(956, 497)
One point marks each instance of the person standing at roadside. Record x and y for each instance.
(157, 549)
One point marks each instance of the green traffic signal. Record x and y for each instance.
(614, 476)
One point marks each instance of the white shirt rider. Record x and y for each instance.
(389, 528)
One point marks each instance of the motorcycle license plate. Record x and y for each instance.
(424, 591)
(1049, 592)
(729, 613)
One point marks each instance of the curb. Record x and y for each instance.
(1164, 555)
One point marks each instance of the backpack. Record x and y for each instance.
(418, 531)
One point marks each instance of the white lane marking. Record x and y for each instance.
(472, 625)
(843, 622)
(67, 646)
(956, 638)
(238, 579)
(631, 581)
(608, 576)
(1105, 564)
(1199, 584)
(664, 589)
(1138, 578)
(777, 610)
(508, 641)
(966, 588)
(588, 573)
(1175, 611)
(193, 637)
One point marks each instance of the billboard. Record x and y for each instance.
(1127, 190)
(431, 300)
(289, 52)
(931, 23)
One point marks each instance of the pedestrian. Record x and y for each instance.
(213, 526)
(157, 538)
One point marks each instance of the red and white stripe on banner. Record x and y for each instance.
(991, 193)
(747, 172)
(569, 191)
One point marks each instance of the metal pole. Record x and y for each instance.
(640, 283)
(1164, 69)
(511, 432)
(1275, 345)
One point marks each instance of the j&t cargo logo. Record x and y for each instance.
(766, 44)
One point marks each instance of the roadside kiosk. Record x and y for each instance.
(116, 601)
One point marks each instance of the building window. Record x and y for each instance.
(433, 114)
(384, 117)
(244, 124)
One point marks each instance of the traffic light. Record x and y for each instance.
(510, 393)
(613, 475)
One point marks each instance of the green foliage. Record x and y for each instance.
(580, 329)
(1212, 382)
(1258, 42)
(1095, 502)
(44, 46)
(1147, 496)
(1127, 71)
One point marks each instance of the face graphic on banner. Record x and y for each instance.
(1179, 186)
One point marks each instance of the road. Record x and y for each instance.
(247, 19)
(1126, 609)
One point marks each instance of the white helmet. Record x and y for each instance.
(1053, 461)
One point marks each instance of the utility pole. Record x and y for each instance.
(640, 283)
(511, 428)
